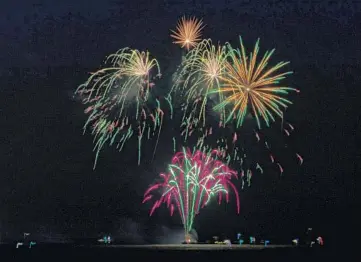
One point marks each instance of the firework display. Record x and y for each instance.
(192, 180)
(226, 85)
(222, 96)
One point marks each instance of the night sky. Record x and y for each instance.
(47, 185)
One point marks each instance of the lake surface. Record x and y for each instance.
(167, 252)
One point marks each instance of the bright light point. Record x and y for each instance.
(247, 89)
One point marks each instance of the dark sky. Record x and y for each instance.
(47, 183)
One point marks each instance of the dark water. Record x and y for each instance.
(72, 253)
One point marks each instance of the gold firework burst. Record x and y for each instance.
(248, 84)
(188, 32)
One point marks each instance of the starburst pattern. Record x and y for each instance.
(188, 32)
(248, 84)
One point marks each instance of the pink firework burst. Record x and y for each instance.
(193, 178)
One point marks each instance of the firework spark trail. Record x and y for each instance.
(159, 120)
(235, 152)
(199, 73)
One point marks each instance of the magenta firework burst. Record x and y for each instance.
(193, 178)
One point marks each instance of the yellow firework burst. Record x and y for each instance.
(188, 32)
(248, 84)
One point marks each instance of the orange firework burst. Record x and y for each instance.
(188, 32)
(248, 84)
